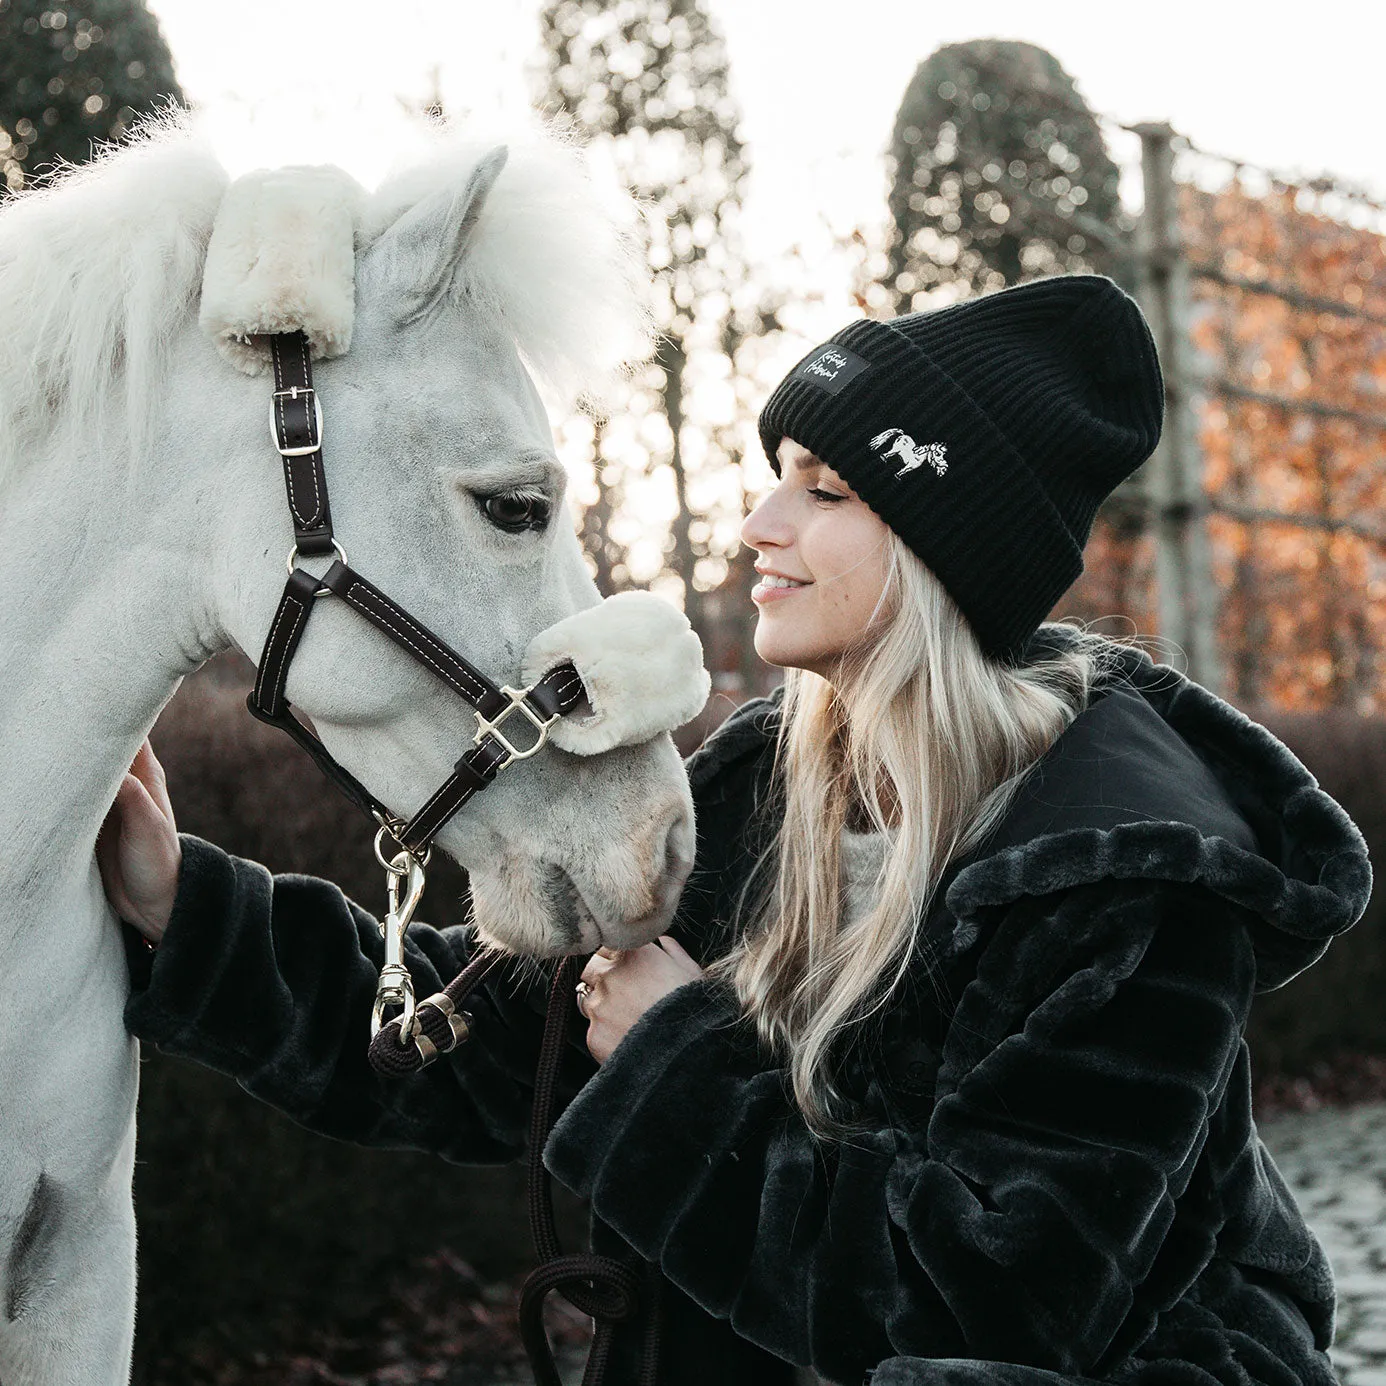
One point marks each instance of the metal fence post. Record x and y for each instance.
(1174, 475)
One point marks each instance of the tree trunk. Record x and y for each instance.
(673, 360)
(596, 520)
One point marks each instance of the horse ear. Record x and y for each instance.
(433, 236)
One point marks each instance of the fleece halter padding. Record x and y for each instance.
(282, 258)
(641, 664)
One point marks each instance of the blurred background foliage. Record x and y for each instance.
(72, 75)
(646, 82)
(999, 172)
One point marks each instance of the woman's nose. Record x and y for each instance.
(766, 525)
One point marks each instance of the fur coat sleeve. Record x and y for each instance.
(1023, 1219)
(270, 979)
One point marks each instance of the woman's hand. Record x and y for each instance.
(622, 986)
(137, 848)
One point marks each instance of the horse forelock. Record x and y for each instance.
(101, 267)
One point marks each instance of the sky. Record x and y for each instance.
(1293, 87)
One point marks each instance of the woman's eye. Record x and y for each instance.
(819, 494)
(515, 511)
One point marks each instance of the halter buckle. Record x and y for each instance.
(293, 393)
(518, 701)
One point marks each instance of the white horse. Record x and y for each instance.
(143, 527)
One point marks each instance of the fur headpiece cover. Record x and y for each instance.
(282, 258)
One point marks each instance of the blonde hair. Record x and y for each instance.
(920, 735)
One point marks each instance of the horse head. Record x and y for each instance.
(429, 303)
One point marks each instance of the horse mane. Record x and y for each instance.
(98, 267)
(102, 263)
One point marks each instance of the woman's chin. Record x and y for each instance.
(782, 654)
(771, 652)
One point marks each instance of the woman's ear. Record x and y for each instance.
(429, 242)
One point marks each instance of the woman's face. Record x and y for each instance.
(823, 558)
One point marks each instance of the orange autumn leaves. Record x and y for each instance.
(1291, 421)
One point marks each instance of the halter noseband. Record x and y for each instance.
(296, 427)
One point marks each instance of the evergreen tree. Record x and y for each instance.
(646, 81)
(75, 72)
(1000, 173)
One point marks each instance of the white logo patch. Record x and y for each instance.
(895, 443)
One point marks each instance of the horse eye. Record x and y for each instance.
(515, 511)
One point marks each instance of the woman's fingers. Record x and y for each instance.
(598, 965)
(679, 954)
(146, 768)
(607, 960)
(108, 851)
(622, 987)
(138, 853)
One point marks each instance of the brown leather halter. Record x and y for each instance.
(296, 417)
(607, 1289)
(401, 846)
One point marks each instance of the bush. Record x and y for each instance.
(1334, 1009)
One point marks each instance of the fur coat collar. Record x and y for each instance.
(1157, 779)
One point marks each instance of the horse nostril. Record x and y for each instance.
(678, 846)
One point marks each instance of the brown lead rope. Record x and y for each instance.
(440, 1023)
(608, 1290)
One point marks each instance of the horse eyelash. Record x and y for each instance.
(527, 493)
(536, 495)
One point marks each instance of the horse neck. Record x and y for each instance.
(105, 573)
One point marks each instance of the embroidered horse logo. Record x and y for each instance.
(912, 454)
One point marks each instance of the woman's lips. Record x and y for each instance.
(768, 591)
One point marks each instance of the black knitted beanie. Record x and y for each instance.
(985, 434)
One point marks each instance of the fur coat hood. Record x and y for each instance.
(1157, 779)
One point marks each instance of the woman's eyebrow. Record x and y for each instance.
(807, 463)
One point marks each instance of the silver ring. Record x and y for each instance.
(293, 559)
(336, 548)
(394, 830)
(583, 992)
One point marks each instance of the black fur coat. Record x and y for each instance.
(1058, 1177)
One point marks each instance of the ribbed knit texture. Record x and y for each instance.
(1020, 412)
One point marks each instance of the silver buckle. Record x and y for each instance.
(517, 698)
(293, 393)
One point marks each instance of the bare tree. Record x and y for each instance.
(647, 80)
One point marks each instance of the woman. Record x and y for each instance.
(940, 1075)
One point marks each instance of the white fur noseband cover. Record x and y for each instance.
(641, 663)
(282, 258)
